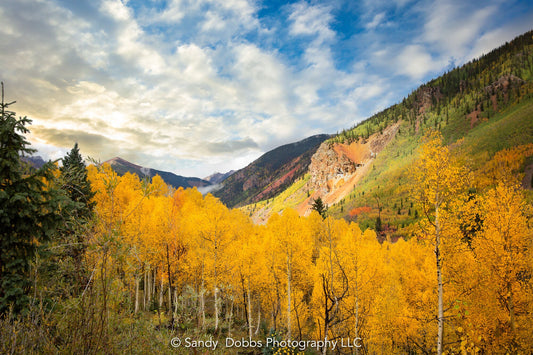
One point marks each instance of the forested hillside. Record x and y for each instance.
(270, 173)
(480, 108)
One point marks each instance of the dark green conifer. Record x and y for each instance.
(319, 206)
(28, 210)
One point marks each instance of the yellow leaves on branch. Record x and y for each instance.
(439, 177)
(505, 166)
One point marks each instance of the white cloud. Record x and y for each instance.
(173, 13)
(376, 21)
(452, 25)
(213, 22)
(415, 62)
(117, 9)
(313, 20)
(497, 37)
(369, 91)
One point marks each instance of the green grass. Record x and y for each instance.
(291, 197)
(510, 128)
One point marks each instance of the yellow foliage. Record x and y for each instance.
(188, 255)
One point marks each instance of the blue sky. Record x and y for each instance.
(197, 86)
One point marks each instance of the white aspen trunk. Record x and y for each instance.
(230, 318)
(154, 282)
(288, 298)
(149, 287)
(249, 310)
(216, 291)
(145, 290)
(161, 294)
(175, 301)
(202, 308)
(226, 318)
(202, 304)
(169, 301)
(258, 317)
(216, 308)
(137, 282)
(440, 328)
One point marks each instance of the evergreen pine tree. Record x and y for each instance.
(379, 226)
(72, 234)
(28, 210)
(319, 206)
(75, 181)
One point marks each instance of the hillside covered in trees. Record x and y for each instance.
(481, 108)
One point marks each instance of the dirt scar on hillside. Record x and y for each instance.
(361, 154)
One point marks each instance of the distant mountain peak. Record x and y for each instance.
(122, 166)
(35, 161)
(119, 160)
(217, 178)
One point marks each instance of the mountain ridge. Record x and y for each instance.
(217, 178)
(122, 166)
(270, 173)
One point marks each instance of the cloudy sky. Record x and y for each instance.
(197, 86)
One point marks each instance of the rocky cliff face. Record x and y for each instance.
(336, 168)
(503, 83)
(327, 167)
(427, 97)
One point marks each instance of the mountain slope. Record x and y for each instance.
(270, 173)
(122, 166)
(217, 177)
(35, 161)
(480, 108)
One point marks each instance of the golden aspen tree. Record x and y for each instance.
(389, 314)
(362, 259)
(245, 266)
(502, 250)
(194, 272)
(214, 234)
(293, 241)
(439, 183)
(158, 187)
(119, 200)
(260, 274)
(504, 166)
(414, 267)
(176, 247)
(272, 294)
(331, 283)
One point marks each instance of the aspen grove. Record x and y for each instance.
(461, 283)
